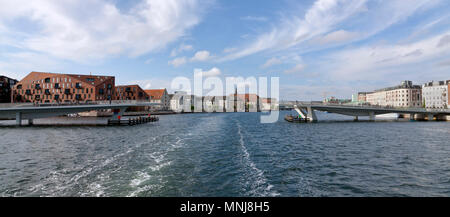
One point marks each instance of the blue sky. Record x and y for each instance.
(317, 47)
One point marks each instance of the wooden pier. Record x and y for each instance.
(132, 121)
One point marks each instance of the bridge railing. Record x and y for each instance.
(368, 106)
(18, 105)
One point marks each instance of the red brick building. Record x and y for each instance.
(44, 87)
(6, 85)
(130, 92)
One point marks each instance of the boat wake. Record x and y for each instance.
(254, 177)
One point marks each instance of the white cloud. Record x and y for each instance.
(323, 20)
(180, 49)
(270, 62)
(338, 36)
(82, 31)
(210, 73)
(201, 56)
(151, 84)
(17, 65)
(377, 62)
(178, 61)
(296, 69)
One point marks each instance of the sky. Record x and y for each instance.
(317, 48)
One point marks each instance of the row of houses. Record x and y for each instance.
(182, 101)
(434, 94)
(56, 88)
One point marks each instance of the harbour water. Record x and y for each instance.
(229, 154)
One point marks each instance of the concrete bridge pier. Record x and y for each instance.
(355, 118)
(311, 116)
(430, 117)
(18, 119)
(371, 116)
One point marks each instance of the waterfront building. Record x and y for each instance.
(268, 104)
(334, 100)
(178, 101)
(130, 92)
(159, 96)
(362, 96)
(243, 102)
(6, 86)
(404, 95)
(214, 103)
(45, 87)
(435, 94)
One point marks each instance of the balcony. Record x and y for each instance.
(47, 92)
(37, 86)
(78, 85)
(28, 92)
(78, 97)
(67, 91)
(57, 86)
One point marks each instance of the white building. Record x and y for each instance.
(268, 104)
(177, 101)
(404, 95)
(159, 96)
(435, 94)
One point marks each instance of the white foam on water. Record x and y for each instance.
(159, 166)
(259, 178)
(140, 178)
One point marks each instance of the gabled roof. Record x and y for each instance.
(156, 93)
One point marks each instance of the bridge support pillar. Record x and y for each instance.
(371, 116)
(18, 119)
(311, 116)
(430, 117)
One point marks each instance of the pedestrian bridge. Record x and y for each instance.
(307, 111)
(31, 111)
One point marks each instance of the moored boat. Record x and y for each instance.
(291, 118)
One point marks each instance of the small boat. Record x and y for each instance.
(296, 119)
